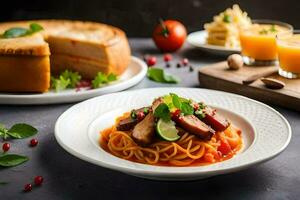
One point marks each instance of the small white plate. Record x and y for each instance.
(135, 72)
(265, 132)
(198, 39)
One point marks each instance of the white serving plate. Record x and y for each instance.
(135, 72)
(265, 132)
(198, 39)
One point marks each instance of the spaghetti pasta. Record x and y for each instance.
(189, 150)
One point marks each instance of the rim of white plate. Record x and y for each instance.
(250, 157)
(197, 39)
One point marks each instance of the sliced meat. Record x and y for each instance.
(215, 120)
(128, 123)
(193, 125)
(143, 132)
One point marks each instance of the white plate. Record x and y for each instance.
(198, 39)
(135, 72)
(266, 133)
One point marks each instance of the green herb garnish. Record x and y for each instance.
(184, 105)
(21, 32)
(102, 79)
(67, 79)
(273, 29)
(200, 114)
(146, 110)
(10, 160)
(163, 112)
(263, 32)
(227, 18)
(18, 131)
(158, 75)
(133, 114)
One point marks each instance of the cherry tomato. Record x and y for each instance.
(140, 116)
(224, 148)
(169, 35)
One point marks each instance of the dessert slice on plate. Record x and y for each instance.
(24, 64)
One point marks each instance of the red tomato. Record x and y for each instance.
(169, 35)
(224, 148)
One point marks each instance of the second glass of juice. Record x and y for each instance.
(258, 42)
(288, 48)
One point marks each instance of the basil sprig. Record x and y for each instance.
(158, 75)
(21, 32)
(17, 131)
(173, 101)
(10, 160)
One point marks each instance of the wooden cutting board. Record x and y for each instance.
(217, 76)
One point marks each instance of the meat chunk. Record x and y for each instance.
(193, 125)
(215, 120)
(128, 123)
(143, 132)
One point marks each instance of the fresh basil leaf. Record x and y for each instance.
(19, 131)
(34, 27)
(162, 111)
(10, 160)
(3, 183)
(187, 109)
(20, 32)
(15, 32)
(2, 130)
(176, 100)
(158, 75)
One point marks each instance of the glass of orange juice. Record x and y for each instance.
(288, 48)
(258, 41)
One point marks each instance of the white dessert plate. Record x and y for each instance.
(265, 132)
(135, 72)
(198, 39)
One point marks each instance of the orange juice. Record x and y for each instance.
(289, 55)
(258, 41)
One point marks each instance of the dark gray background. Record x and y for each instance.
(138, 17)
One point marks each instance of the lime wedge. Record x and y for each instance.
(167, 130)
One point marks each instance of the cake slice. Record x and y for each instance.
(86, 47)
(24, 64)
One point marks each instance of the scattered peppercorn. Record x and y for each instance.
(38, 180)
(178, 65)
(168, 57)
(27, 187)
(191, 68)
(185, 62)
(5, 147)
(151, 60)
(168, 65)
(33, 142)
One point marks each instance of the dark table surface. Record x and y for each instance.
(67, 177)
